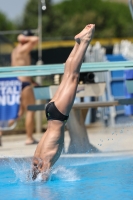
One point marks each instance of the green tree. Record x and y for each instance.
(67, 18)
(30, 17)
(6, 25)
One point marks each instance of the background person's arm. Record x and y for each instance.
(28, 42)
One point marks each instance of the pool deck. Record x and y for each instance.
(118, 140)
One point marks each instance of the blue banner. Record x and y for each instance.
(10, 92)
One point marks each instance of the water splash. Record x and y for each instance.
(22, 169)
(64, 174)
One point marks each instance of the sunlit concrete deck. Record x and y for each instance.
(118, 140)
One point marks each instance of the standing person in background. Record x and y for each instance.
(58, 109)
(21, 54)
(21, 57)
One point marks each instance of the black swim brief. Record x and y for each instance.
(52, 113)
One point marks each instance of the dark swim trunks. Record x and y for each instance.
(52, 113)
(25, 84)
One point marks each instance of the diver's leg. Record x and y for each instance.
(84, 35)
(71, 78)
(70, 57)
(66, 70)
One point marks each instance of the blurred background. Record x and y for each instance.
(58, 25)
(61, 21)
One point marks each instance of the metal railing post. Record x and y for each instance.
(131, 7)
(41, 5)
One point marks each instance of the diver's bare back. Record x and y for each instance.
(20, 58)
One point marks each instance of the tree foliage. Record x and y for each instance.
(6, 25)
(67, 18)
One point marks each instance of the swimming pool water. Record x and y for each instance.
(71, 179)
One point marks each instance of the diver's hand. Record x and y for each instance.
(39, 169)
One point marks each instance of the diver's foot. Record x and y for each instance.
(30, 142)
(85, 34)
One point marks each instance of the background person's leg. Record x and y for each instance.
(29, 125)
(0, 138)
(27, 98)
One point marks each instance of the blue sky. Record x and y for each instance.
(14, 8)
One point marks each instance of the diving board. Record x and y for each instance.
(94, 89)
(41, 70)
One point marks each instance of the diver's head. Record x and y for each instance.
(27, 33)
(38, 171)
(22, 38)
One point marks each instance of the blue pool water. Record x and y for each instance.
(71, 179)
